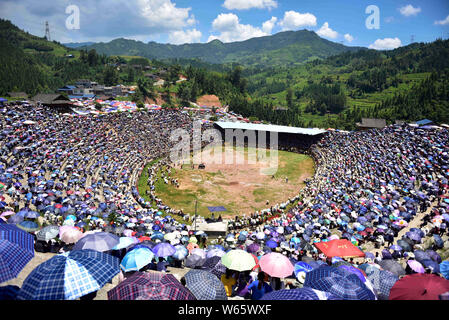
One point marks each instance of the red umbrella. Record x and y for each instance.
(419, 286)
(339, 248)
(145, 238)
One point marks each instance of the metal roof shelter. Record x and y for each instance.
(269, 128)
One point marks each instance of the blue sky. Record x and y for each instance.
(181, 21)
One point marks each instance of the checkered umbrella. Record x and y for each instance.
(9, 292)
(392, 266)
(346, 286)
(16, 250)
(214, 266)
(382, 280)
(98, 241)
(47, 233)
(299, 294)
(194, 260)
(204, 285)
(150, 286)
(69, 276)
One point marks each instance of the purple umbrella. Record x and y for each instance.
(386, 254)
(395, 247)
(416, 266)
(435, 256)
(254, 247)
(164, 249)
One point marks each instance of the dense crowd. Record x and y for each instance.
(81, 172)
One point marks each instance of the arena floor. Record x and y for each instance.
(242, 187)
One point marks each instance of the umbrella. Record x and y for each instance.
(435, 256)
(70, 235)
(205, 285)
(340, 248)
(47, 233)
(16, 250)
(419, 286)
(271, 244)
(181, 252)
(252, 248)
(238, 260)
(404, 245)
(194, 261)
(214, 266)
(136, 259)
(150, 286)
(421, 255)
(438, 241)
(69, 276)
(276, 265)
(416, 266)
(444, 269)
(432, 265)
(164, 249)
(396, 248)
(344, 285)
(124, 242)
(98, 241)
(382, 280)
(392, 266)
(28, 226)
(214, 253)
(298, 294)
(9, 292)
(191, 246)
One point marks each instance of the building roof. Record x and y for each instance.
(17, 95)
(269, 128)
(84, 96)
(51, 98)
(424, 122)
(372, 123)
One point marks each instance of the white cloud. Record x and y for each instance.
(386, 44)
(348, 37)
(249, 4)
(389, 19)
(443, 22)
(187, 36)
(100, 19)
(294, 20)
(327, 32)
(409, 10)
(231, 29)
(268, 26)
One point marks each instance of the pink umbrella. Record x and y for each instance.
(276, 265)
(128, 232)
(416, 266)
(7, 213)
(70, 235)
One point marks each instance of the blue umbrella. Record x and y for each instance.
(444, 269)
(438, 241)
(395, 247)
(98, 241)
(157, 235)
(16, 250)
(164, 249)
(31, 215)
(15, 219)
(124, 242)
(9, 292)
(382, 280)
(136, 259)
(344, 285)
(69, 276)
(302, 267)
(214, 266)
(28, 226)
(181, 252)
(205, 285)
(299, 294)
(271, 244)
(432, 265)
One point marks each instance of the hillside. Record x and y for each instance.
(284, 48)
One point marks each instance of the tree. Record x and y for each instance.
(289, 98)
(92, 58)
(110, 76)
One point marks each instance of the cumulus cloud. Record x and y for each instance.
(348, 37)
(187, 36)
(294, 20)
(249, 4)
(443, 22)
(135, 19)
(386, 44)
(409, 10)
(327, 32)
(230, 28)
(268, 26)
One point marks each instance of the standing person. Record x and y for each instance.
(259, 287)
(277, 284)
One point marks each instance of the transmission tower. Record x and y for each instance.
(47, 31)
(412, 38)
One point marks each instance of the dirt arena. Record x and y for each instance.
(243, 186)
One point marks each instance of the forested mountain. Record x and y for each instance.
(284, 48)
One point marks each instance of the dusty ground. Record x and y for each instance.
(241, 187)
(209, 101)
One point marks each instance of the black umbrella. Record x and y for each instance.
(392, 266)
(405, 245)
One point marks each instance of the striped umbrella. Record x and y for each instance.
(205, 285)
(47, 233)
(16, 250)
(344, 285)
(299, 294)
(150, 286)
(69, 276)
